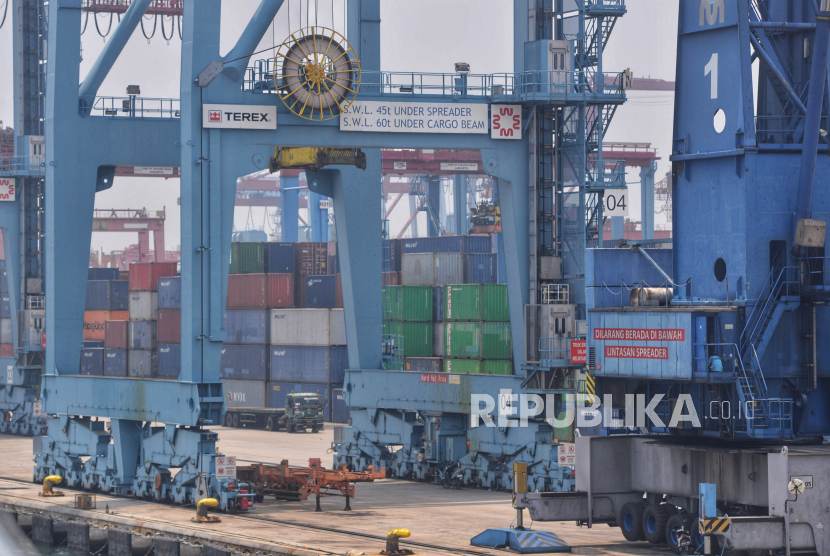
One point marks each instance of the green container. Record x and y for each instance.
(392, 302)
(462, 366)
(417, 303)
(417, 337)
(497, 367)
(462, 339)
(494, 303)
(496, 341)
(462, 302)
(247, 257)
(564, 434)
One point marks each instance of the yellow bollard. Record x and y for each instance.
(202, 511)
(50, 482)
(392, 546)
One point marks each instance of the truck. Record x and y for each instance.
(302, 411)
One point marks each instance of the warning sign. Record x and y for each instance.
(225, 467)
(579, 352)
(631, 352)
(567, 454)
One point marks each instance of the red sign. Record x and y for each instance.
(641, 334)
(636, 352)
(506, 121)
(579, 351)
(434, 378)
(215, 116)
(43, 341)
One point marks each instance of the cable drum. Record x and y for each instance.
(318, 74)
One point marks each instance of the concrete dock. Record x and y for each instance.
(442, 521)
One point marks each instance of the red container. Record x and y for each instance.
(311, 259)
(280, 291)
(115, 334)
(338, 292)
(247, 291)
(144, 277)
(169, 327)
(6, 350)
(391, 278)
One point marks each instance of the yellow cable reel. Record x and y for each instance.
(317, 73)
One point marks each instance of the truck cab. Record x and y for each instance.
(303, 411)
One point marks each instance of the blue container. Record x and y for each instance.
(141, 334)
(103, 274)
(334, 264)
(92, 344)
(279, 258)
(446, 244)
(320, 292)
(392, 255)
(120, 295)
(247, 327)
(338, 363)
(480, 268)
(339, 409)
(5, 306)
(92, 362)
(170, 293)
(478, 244)
(438, 304)
(244, 362)
(107, 295)
(4, 281)
(300, 364)
(115, 362)
(142, 363)
(170, 360)
(277, 392)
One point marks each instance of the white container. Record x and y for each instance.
(6, 331)
(144, 305)
(432, 269)
(449, 269)
(244, 393)
(300, 327)
(337, 327)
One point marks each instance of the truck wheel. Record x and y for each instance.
(316, 428)
(675, 524)
(235, 421)
(655, 519)
(229, 420)
(632, 521)
(289, 427)
(270, 425)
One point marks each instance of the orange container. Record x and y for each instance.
(119, 315)
(95, 325)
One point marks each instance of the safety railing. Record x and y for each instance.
(784, 283)
(556, 348)
(608, 173)
(32, 340)
(35, 302)
(23, 164)
(137, 107)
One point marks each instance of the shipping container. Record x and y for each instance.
(310, 259)
(103, 274)
(170, 293)
(247, 291)
(308, 364)
(424, 364)
(94, 325)
(278, 391)
(144, 305)
(92, 362)
(169, 326)
(417, 337)
(141, 334)
(337, 327)
(119, 315)
(315, 292)
(5, 307)
(107, 295)
(564, 433)
(480, 268)
(338, 291)
(123, 275)
(392, 298)
(496, 341)
(170, 361)
(144, 277)
(478, 244)
(116, 334)
(247, 257)
(438, 339)
(244, 362)
(115, 362)
(244, 393)
(300, 327)
(392, 278)
(93, 344)
(497, 367)
(339, 409)
(392, 255)
(279, 258)
(334, 264)
(432, 269)
(417, 303)
(247, 327)
(462, 302)
(462, 366)
(6, 350)
(4, 281)
(438, 303)
(445, 244)
(494, 305)
(142, 363)
(462, 339)
(281, 289)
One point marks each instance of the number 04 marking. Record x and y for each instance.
(712, 67)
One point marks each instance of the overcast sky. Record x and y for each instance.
(427, 35)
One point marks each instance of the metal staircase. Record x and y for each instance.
(779, 295)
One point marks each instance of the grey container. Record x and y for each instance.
(438, 339)
(141, 334)
(424, 364)
(432, 269)
(6, 331)
(244, 393)
(142, 363)
(144, 305)
(337, 327)
(301, 327)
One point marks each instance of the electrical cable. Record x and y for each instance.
(172, 30)
(5, 12)
(86, 21)
(155, 24)
(179, 26)
(103, 35)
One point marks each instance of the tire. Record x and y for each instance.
(228, 420)
(235, 420)
(315, 429)
(289, 427)
(270, 425)
(673, 526)
(631, 522)
(655, 518)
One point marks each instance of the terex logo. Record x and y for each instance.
(215, 116)
(233, 116)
